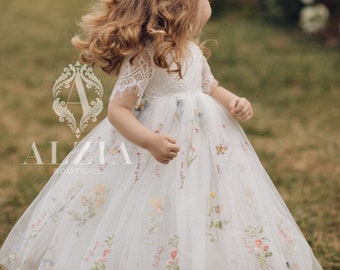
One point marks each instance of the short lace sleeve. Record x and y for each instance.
(208, 80)
(134, 77)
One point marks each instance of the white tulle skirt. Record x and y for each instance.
(111, 206)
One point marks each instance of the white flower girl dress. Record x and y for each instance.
(112, 206)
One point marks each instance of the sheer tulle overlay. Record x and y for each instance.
(110, 205)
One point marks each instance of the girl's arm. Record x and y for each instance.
(238, 106)
(162, 146)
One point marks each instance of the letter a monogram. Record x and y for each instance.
(83, 79)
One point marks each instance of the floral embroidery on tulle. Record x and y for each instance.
(38, 225)
(157, 205)
(224, 156)
(172, 263)
(199, 122)
(286, 238)
(223, 125)
(159, 128)
(47, 264)
(87, 154)
(18, 248)
(117, 154)
(139, 162)
(59, 207)
(288, 243)
(70, 194)
(92, 251)
(182, 177)
(115, 150)
(179, 111)
(258, 245)
(191, 152)
(219, 169)
(158, 170)
(156, 213)
(245, 146)
(250, 197)
(216, 223)
(158, 257)
(91, 203)
(100, 262)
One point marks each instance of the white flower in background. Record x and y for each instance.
(314, 18)
(307, 2)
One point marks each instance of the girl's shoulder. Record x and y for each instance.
(145, 59)
(190, 49)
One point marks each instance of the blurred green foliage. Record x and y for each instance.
(283, 11)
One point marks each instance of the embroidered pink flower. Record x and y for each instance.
(259, 246)
(99, 189)
(99, 260)
(100, 201)
(258, 242)
(247, 246)
(83, 201)
(170, 262)
(106, 252)
(174, 254)
(156, 203)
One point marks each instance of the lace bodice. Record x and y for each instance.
(147, 80)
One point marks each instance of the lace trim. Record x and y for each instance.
(134, 78)
(208, 80)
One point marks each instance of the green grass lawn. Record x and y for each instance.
(293, 82)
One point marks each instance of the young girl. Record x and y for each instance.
(177, 183)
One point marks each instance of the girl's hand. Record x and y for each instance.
(241, 108)
(163, 148)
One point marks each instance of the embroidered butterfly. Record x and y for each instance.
(115, 150)
(221, 149)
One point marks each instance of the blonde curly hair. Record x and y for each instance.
(114, 29)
